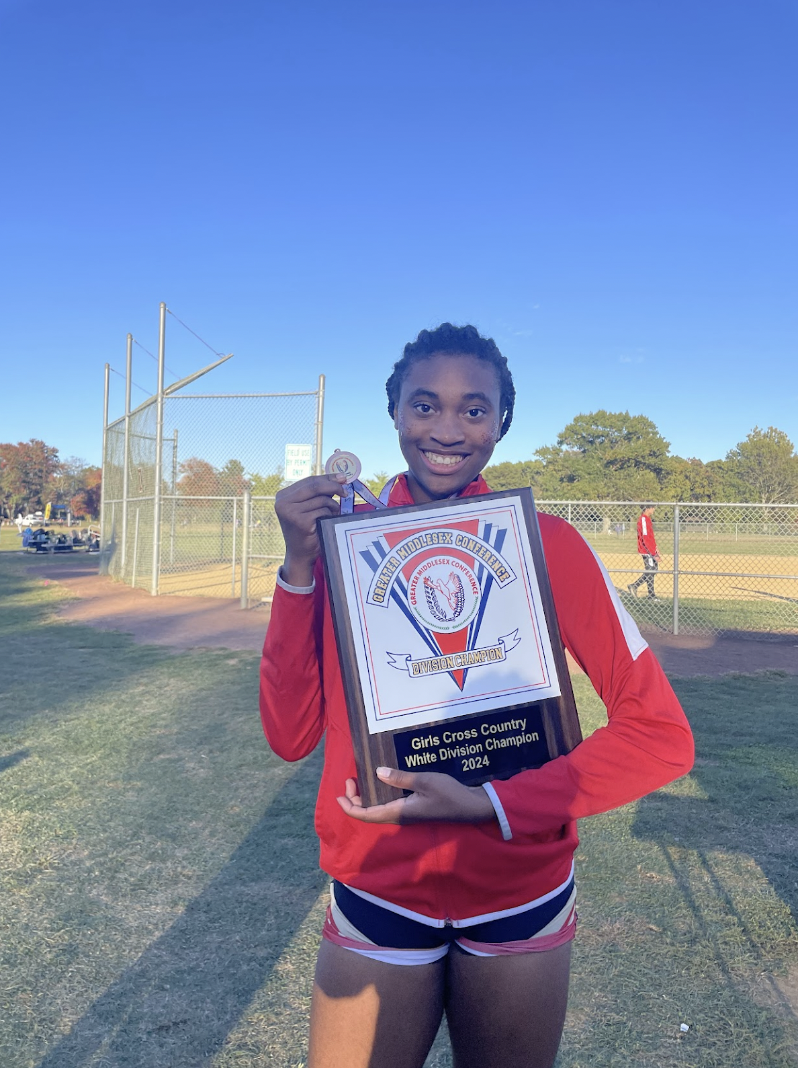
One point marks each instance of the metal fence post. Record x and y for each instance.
(235, 534)
(125, 486)
(135, 550)
(104, 476)
(319, 425)
(247, 519)
(157, 489)
(676, 569)
(174, 503)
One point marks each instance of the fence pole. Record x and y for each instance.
(319, 425)
(156, 503)
(235, 520)
(104, 482)
(135, 550)
(676, 569)
(174, 503)
(569, 513)
(247, 518)
(125, 487)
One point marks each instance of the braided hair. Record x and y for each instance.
(454, 341)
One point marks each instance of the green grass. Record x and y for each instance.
(704, 615)
(160, 901)
(697, 544)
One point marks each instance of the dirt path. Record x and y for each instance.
(180, 622)
(192, 622)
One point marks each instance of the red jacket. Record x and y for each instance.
(646, 542)
(459, 870)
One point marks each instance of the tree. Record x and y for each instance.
(86, 502)
(510, 475)
(767, 466)
(266, 485)
(232, 480)
(605, 456)
(198, 478)
(27, 469)
(376, 482)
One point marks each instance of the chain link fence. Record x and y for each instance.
(223, 458)
(722, 567)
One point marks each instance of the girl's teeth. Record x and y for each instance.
(436, 458)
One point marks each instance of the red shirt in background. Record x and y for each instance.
(646, 542)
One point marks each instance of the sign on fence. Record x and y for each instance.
(298, 462)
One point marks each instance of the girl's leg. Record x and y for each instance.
(507, 1011)
(366, 1014)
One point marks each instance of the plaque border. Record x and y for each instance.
(560, 719)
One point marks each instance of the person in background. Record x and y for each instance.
(647, 547)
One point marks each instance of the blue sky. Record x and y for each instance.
(606, 187)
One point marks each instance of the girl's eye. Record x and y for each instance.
(424, 409)
(476, 412)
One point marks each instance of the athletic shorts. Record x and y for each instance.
(385, 932)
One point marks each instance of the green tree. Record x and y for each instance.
(767, 466)
(376, 482)
(605, 456)
(232, 480)
(510, 475)
(266, 485)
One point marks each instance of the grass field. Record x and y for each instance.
(160, 901)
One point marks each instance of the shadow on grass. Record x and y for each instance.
(12, 759)
(176, 1005)
(746, 759)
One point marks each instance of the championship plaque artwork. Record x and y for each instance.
(448, 641)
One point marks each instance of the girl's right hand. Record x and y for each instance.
(298, 506)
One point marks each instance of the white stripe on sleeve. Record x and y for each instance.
(634, 639)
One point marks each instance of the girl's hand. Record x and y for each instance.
(435, 797)
(298, 507)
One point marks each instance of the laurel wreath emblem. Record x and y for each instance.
(453, 593)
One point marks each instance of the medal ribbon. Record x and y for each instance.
(348, 500)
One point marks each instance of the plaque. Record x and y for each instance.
(448, 640)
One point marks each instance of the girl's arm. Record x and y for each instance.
(291, 701)
(647, 741)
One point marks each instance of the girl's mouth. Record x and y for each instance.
(443, 463)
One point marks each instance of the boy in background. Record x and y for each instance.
(647, 547)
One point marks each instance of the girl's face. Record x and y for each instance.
(448, 417)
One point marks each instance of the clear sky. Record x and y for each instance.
(608, 188)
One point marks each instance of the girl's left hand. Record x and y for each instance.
(435, 797)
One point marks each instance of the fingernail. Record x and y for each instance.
(383, 773)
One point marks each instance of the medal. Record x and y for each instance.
(348, 465)
(344, 463)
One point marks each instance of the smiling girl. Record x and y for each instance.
(455, 899)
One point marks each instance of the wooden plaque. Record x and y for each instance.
(448, 640)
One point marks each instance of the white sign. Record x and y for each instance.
(445, 612)
(298, 462)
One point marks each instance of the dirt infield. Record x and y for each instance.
(196, 622)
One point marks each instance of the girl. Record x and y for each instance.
(455, 899)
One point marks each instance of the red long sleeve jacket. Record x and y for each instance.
(646, 542)
(456, 870)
